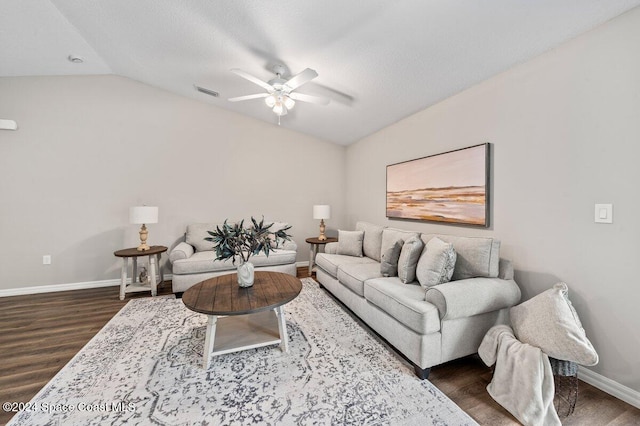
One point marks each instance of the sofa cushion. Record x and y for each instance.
(197, 232)
(331, 262)
(549, 322)
(204, 261)
(409, 255)
(353, 275)
(372, 243)
(476, 256)
(403, 302)
(391, 235)
(389, 261)
(436, 263)
(350, 242)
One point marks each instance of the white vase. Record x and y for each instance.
(245, 274)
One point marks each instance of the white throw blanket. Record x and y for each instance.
(522, 381)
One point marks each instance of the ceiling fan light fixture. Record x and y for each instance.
(288, 102)
(278, 108)
(270, 101)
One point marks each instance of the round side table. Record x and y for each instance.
(314, 242)
(154, 262)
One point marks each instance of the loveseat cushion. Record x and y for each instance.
(372, 243)
(204, 261)
(476, 256)
(353, 275)
(331, 262)
(403, 302)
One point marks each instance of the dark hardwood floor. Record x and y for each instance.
(40, 333)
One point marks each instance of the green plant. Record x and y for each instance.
(231, 241)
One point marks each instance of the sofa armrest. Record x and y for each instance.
(331, 248)
(505, 269)
(181, 251)
(472, 296)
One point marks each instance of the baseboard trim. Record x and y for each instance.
(609, 386)
(65, 287)
(303, 263)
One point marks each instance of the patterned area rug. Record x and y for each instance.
(144, 367)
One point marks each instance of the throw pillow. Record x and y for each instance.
(436, 263)
(408, 260)
(549, 322)
(389, 261)
(372, 239)
(350, 242)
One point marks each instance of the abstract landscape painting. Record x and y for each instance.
(451, 187)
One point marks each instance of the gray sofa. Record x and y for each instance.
(430, 325)
(193, 260)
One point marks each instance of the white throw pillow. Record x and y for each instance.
(549, 322)
(436, 263)
(350, 243)
(409, 255)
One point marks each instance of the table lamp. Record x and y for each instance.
(322, 211)
(143, 215)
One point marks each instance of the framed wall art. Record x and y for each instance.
(452, 187)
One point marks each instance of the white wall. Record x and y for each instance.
(565, 133)
(88, 148)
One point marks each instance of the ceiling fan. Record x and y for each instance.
(280, 95)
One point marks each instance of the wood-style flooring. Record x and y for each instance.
(40, 333)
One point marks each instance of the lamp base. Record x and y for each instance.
(143, 238)
(322, 237)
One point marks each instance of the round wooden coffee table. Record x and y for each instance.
(242, 318)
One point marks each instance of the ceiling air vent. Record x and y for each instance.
(206, 91)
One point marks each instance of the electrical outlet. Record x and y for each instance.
(46, 259)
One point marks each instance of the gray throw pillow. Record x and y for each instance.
(549, 322)
(389, 261)
(436, 263)
(350, 243)
(409, 255)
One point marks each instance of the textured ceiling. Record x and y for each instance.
(378, 61)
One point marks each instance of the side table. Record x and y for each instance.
(154, 261)
(314, 242)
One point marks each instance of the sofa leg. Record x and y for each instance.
(422, 373)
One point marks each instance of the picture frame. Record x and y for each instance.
(450, 187)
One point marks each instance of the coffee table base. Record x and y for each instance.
(241, 332)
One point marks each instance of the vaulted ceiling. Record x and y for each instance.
(378, 60)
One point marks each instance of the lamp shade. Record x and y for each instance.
(322, 211)
(143, 214)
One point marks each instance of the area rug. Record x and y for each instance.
(145, 367)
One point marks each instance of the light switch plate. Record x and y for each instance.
(604, 213)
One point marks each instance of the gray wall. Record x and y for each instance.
(565, 130)
(88, 148)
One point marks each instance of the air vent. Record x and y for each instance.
(207, 91)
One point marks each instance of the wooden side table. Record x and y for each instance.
(154, 262)
(314, 242)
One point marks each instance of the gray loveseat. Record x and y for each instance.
(193, 260)
(429, 325)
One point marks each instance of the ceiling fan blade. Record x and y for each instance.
(246, 98)
(309, 98)
(300, 79)
(254, 80)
